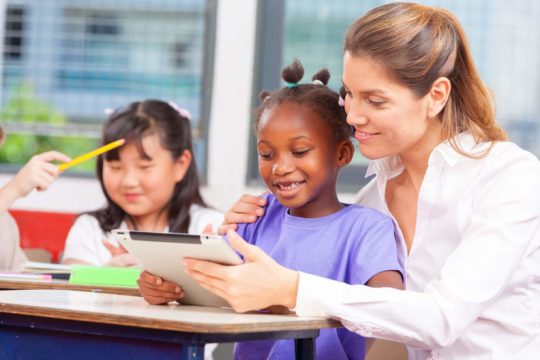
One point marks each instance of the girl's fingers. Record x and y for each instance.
(208, 229)
(160, 293)
(114, 250)
(147, 292)
(148, 280)
(43, 181)
(51, 169)
(157, 300)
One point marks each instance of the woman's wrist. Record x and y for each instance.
(290, 288)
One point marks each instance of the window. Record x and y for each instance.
(502, 35)
(13, 33)
(66, 62)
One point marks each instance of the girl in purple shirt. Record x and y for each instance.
(303, 141)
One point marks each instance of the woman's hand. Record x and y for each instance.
(157, 291)
(244, 211)
(258, 283)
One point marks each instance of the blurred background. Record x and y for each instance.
(65, 61)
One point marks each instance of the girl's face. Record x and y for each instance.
(143, 186)
(298, 161)
(388, 118)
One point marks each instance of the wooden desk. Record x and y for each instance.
(85, 325)
(17, 284)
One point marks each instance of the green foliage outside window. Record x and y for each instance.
(26, 109)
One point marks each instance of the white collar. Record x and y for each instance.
(392, 166)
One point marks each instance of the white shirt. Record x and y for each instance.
(84, 241)
(473, 271)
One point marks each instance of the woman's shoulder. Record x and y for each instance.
(510, 152)
(508, 159)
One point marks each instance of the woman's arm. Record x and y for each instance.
(242, 285)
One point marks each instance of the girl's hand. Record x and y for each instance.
(258, 283)
(244, 211)
(38, 173)
(120, 256)
(157, 291)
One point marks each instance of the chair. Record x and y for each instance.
(38, 254)
(43, 230)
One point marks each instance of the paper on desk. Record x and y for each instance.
(43, 267)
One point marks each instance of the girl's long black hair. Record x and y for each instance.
(132, 123)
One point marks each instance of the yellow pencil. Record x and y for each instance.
(91, 154)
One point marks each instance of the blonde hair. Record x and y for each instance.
(418, 44)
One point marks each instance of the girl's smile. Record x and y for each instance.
(133, 197)
(288, 189)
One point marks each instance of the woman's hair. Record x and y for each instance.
(418, 44)
(134, 122)
(316, 96)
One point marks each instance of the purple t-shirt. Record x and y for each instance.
(351, 245)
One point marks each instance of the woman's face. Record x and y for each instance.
(143, 185)
(388, 118)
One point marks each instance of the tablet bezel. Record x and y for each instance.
(161, 254)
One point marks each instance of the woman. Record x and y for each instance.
(467, 202)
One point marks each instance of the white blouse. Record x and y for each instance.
(473, 271)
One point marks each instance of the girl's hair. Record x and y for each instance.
(134, 122)
(316, 96)
(418, 44)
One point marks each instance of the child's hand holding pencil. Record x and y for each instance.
(91, 154)
(39, 173)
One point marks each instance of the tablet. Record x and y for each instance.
(161, 254)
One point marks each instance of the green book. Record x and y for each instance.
(103, 275)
